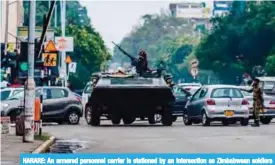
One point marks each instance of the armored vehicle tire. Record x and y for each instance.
(167, 117)
(115, 119)
(128, 120)
(151, 120)
(95, 117)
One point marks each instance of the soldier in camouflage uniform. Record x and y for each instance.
(168, 79)
(257, 101)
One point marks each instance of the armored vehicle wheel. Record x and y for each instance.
(115, 119)
(95, 117)
(167, 117)
(152, 119)
(128, 120)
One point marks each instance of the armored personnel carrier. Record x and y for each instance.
(127, 97)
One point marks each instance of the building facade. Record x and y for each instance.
(15, 19)
(190, 10)
(221, 7)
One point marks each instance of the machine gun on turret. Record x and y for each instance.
(134, 61)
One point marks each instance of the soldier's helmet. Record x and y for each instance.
(142, 54)
(168, 78)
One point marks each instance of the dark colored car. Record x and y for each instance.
(181, 96)
(59, 105)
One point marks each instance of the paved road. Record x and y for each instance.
(158, 139)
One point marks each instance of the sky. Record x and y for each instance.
(115, 19)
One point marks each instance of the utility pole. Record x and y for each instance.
(30, 83)
(7, 27)
(55, 16)
(63, 54)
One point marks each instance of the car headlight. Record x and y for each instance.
(4, 106)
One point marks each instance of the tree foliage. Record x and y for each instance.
(89, 49)
(165, 38)
(240, 41)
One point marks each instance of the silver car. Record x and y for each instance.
(59, 105)
(224, 103)
(269, 106)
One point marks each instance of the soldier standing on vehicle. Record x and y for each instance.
(142, 65)
(258, 101)
(169, 81)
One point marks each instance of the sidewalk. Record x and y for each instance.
(12, 146)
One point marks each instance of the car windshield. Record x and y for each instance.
(178, 92)
(193, 90)
(226, 92)
(17, 96)
(5, 94)
(245, 93)
(268, 85)
(88, 88)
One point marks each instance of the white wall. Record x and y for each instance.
(15, 19)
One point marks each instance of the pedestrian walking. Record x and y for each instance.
(258, 101)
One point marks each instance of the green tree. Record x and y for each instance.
(164, 38)
(239, 41)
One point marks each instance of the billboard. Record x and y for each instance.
(22, 33)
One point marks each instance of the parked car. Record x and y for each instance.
(269, 106)
(181, 96)
(224, 103)
(188, 86)
(86, 93)
(268, 85)
(8, 92)
(59, 105)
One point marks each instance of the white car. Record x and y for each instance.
(8, 92)
(86, 93)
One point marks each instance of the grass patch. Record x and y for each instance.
(43, 137)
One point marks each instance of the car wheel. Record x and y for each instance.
(157, 118)
(128, 120)
(245, 122)
(152, 119)
(175, 118)
(186, 119)
(95, 117)
(88, 115)
(225, 122)
(13, 116)
(265, 120)
(73, 117)
(205, 120)
(115, 119)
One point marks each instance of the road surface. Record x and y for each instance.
(179, 138)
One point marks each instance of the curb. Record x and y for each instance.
(45, 146)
